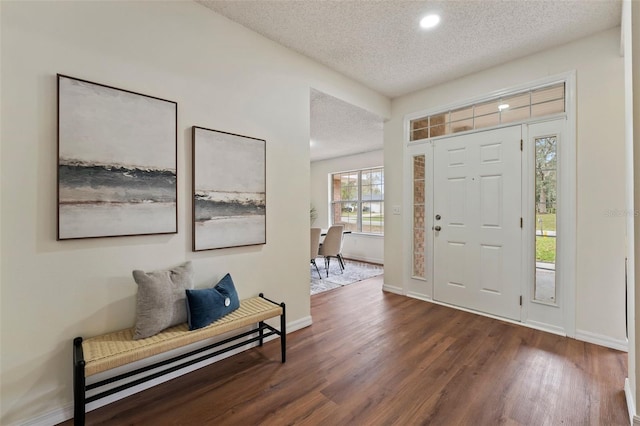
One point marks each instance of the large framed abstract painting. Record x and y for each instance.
(229, 190)
(117, 162)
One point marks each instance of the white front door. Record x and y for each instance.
(477, 230)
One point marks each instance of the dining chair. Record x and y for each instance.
(332, 247)
(315, 247)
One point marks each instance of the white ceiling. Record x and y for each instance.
(380, 44)
(339, 128)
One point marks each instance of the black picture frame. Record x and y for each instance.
(229, 190)
(117, 162)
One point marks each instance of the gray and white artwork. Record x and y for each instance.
(229, 196)
(116, 162)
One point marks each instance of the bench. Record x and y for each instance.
(102, 353)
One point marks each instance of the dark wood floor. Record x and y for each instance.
(375, 358)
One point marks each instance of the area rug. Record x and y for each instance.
(354, 271)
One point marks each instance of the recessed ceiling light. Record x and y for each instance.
(429, 21)
(503, 106)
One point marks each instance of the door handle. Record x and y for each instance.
(437, 228)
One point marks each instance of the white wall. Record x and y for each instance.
(222, 77)
(369, 248)
(631, 22)
(600, 169)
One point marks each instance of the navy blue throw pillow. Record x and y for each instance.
(207, 305)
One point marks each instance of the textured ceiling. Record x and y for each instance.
(380, 44)
(339, 128)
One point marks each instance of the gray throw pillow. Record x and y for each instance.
(161, 299)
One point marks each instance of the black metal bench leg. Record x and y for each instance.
(283, 333)
(78, 383)
(261, 332)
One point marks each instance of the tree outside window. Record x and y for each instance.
(358, 200)
(546, 196)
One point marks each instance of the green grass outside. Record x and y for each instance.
(548, 221)
(379, 219)
(546, 246)
(546, 249)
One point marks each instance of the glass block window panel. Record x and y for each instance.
(418, 191)
(418, 215)
(418, 254)
(522, 106)
(545, 214)
(358, 200)
(419, 209)
(419, 168)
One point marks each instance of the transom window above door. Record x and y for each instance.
(538, 102)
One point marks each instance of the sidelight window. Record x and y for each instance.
(546, 168)
(419, 208)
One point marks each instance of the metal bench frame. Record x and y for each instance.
(80, 388)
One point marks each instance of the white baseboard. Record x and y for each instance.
(392, 289)
(634, 419)
(420, 296)
(546, 327)
(65, 412)
(536, 326)
(298, 324)
(585, 336)
(363, 258)
(53, 417)
(606, 341)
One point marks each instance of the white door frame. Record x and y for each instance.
(548, 316)
(423, 288)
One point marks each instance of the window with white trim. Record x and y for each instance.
(538, 102)
(357, 200)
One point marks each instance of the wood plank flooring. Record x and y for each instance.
(375, 358)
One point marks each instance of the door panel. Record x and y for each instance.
(477, 249)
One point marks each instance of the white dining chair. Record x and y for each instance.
(332, 247)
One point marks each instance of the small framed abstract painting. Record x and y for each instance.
(117, 162)
(229, 190)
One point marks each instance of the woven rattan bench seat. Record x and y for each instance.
(102, 353)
